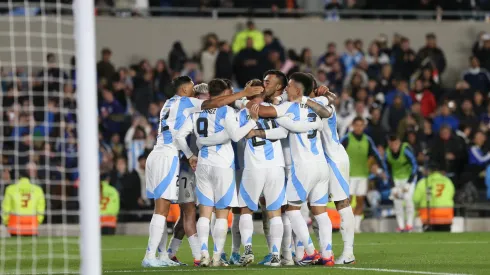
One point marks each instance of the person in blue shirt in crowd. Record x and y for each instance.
(445, 117)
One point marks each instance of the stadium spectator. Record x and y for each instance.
(224, 67)
(393, 114)
(161, 79)
(375, 129)
(485, 118)
(306, 61)
(386, 80)
(483, 54)
(450, 151)
(478, 78)
(400, 91)
(134, 190)
(331, 50)
(137, 141)
(479, 103)
(248, 64)
(241, 41)
(375, 59)
(336, 77)
(445, 117)
(467, 116)
(143, 91)
(431, 54)
(110, 111)
(404, 60)
(425, 98)
(177, 58)
(351, 57)
(208, 61)
(459, 94)
(105, 68)
(272, 43)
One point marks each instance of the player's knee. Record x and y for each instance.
(342, 204)
(245, 210)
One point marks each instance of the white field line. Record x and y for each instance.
(164, 270)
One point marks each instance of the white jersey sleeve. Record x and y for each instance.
(233, 127)
(181, 137)
(299, 126)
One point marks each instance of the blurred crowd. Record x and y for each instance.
(396, 88)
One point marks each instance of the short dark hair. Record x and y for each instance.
(393, 137)
(430, 36)
(313, 81)
(255, 83)
(283, 79)
(50, 57)
(358, 118)
(217, 87)
(179, 81)
(228, 82)
(106, 51)
(305, 80)
(268, 32)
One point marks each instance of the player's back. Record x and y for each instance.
(210, 122)
(330, 138)
(261, 153)
(305, 147)
(172, 116)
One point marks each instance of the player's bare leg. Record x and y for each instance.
(219, 236)
(300, 228)
(347, 231)
(157, 232)
(358, 212)
(235, 236)
(324, 233)
(203, 233)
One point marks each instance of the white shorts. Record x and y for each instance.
(187, 184)
(308, 181)
(358, 186)
(338, 181)
(162, 173)
(406, 188)
(216, 187)
(266, 181)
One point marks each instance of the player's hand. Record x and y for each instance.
(254, 112)
(250, 134)
(251, 91)
(193, 162)
(322, 90)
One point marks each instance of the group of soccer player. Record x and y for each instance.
(277, 148)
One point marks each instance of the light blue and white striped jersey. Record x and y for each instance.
(262, 153)
(305, 147)
(134, 150)
(330, 136)
(210, 122)
(172, 117)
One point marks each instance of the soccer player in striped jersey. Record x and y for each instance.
(308, 180)
(338, 161)
(215, 175)
(162, 166)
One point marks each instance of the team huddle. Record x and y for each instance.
(277, 148)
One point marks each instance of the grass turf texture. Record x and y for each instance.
(429, 253)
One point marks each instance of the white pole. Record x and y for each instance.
(88, 157)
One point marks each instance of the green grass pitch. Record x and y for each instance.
(429, 253)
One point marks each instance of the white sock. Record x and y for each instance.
(325, 234)
(286, 238)
(399, 213)
(173, 247)
(219, 236)
(235, 234)
(213, 220)
(300, 228)
(276, 239)
(246, 229)
(347, 229)
(195, 246)
(299, 249)
(357, 224)
(162, 246)
(410, 210)
(203, 234)
(157, 229)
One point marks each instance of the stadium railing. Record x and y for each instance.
(20, 9)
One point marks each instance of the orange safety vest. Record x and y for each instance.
(173, 213)
(108, 221)
(334, 217)
(23, 225)
(438, 215)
